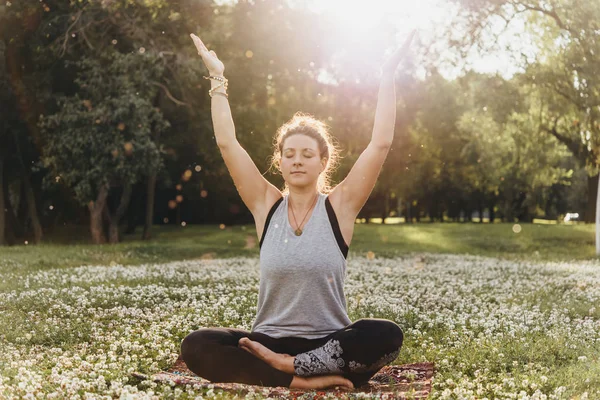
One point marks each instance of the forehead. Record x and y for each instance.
(300, 142)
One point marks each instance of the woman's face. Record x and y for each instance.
(300, 162)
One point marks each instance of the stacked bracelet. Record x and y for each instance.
(223, 84)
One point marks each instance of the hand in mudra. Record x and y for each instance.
(212, 62)
(390, 65)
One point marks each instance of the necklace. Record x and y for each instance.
(298, 231)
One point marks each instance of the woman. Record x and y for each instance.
(302, 336)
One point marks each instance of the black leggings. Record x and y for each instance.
(356, 352)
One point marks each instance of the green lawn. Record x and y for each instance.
(535, 241)
(515, 318)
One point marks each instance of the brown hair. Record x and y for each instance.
(306, 124)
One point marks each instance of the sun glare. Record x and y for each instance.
(359, 18)
(362, 33)
(359, 35)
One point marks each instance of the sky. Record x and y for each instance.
(428, 17)
(358, 22)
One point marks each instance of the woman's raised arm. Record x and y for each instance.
(253, 188)
(220, 110)
(354, 191)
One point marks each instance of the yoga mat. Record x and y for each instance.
(408, 381)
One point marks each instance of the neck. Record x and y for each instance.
(302, 200)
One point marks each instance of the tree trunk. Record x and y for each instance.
(29, 194)
(2, 221)
(384, 208)
(113, 229)
(11, 222)
(32, 209)
(386, 212)
(480, 204)
(20, 209)
(590, 210)
(417, 213)
(150, 196)
(597, 218)
(491, 206)
(96, 209)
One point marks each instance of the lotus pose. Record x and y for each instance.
(302, 336)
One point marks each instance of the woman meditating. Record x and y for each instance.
(302, 336)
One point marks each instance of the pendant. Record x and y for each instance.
(298, 232)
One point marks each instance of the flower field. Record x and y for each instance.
(496, 329)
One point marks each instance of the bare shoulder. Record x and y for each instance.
(262, 210)
(345, 217)
(336, 198)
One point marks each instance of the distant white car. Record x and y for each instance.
(572, 217)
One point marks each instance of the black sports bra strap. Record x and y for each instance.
(271, 212)
(336, 228)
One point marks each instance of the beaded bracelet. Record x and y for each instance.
(224, 84)
(217, 78)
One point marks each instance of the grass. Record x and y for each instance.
(71, 246)
(502, 314)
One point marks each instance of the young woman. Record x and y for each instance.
(302, 336)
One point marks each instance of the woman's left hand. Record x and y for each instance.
(390, 65)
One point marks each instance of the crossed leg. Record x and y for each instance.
(355, 352)
(346, 358)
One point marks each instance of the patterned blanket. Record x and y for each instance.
(408, 381)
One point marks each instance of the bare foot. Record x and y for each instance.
(282, 362)
(321, 382)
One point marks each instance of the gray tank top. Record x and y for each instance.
(301, 290)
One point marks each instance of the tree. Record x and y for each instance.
(564, 70)
(100, 138)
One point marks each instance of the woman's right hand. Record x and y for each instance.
(212, 62)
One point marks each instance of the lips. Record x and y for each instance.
(297, 172)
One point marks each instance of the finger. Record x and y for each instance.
(397, 56)
(199, 43)
(409, 39)
(243, 346)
